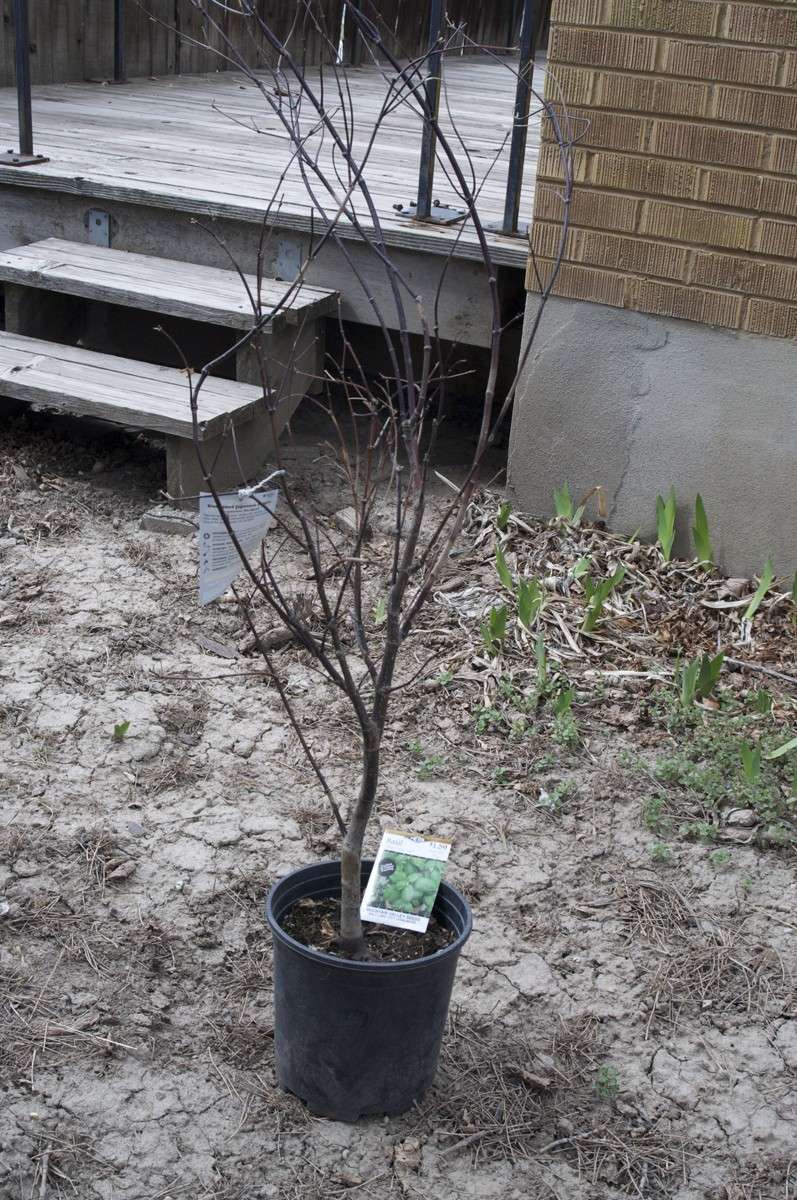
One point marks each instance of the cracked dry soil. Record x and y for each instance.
(136, 1058)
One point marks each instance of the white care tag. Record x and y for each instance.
(251, 517)
(404, 881)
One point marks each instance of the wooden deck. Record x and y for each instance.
(188, 144)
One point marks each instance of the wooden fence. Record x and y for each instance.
(74, 39)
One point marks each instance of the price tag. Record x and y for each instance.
(404, 880)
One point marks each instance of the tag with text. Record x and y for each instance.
(404, 880)
(250, 518)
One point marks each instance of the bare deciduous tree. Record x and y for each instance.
(395, 421)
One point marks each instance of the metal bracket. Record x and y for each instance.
(440, 214)
(522, 230)
(12, 159)
(98, 227)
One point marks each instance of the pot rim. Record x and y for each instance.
(347, 964)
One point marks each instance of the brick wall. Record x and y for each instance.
(686, 173)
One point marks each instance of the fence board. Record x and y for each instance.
(73, 39)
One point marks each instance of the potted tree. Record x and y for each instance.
(355, 1033)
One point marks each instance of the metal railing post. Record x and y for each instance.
(432, 107)
(25, 156)
(119, 62)
(520, 123)
(22, 69)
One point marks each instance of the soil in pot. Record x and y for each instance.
(315, 923)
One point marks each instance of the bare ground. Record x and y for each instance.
(625, 1017)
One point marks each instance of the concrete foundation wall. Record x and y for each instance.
(637, 403)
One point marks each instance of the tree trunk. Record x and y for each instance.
(351, 854)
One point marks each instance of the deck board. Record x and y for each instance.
(183, 143)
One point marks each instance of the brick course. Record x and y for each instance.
(685, 201)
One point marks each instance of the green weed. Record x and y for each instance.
(493, 630)
(665, 523)
(120, 731)
(607, 1083)
(697, 679)
(597, 594)
(700, 534)
(765, 582)
(660, 853)
(502, 520)
(719, 858)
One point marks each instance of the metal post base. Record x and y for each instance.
(522, 230)
(440, 214)
(12, 159)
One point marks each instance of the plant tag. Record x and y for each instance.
(251, 517)
(404, 880)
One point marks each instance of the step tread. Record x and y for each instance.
(123, 390)
(163, 285)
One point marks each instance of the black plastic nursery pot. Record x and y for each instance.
(356, 1039)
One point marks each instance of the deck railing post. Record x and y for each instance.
(434, 68)
(119, 59)
(22, 68)
(520, 123)
(24, 157)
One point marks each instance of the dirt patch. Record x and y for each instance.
(625, 1019)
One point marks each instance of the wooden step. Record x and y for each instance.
(160, 285)
(139, 395)
(84, 383)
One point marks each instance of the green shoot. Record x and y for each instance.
(529, 602)
(502, 520)
(661, 853)
(493, 630)
(765, 583)
(563, 502)
(700, 534)
(598, 594)
(763, 702)
(719, 858)
(786, 748)
(581, 567)
(120, 731)
(504, 574)
(665, 523)
(379, 613)
(699, 678)
(751, 763)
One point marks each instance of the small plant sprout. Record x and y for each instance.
(566, 730)
(661, 853)
(607, 1083)
(700, 534)
(597, 594)
(502, 520)
(765, 582)
(493, 630)
(698, 679)
(504, 574)
(563, 502)
(581, 567)
(120, 730)
(665, 523)
(719, 858)
(653, 815)
(763, 702)
(530, 597)
(445, 677)
(751, 763)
